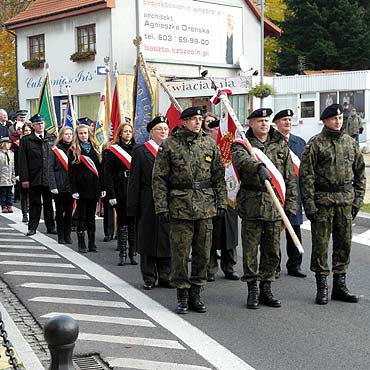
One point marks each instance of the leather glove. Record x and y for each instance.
(361, 130)
(113, 202)
(311, 216)
(103, 194)
(290, 216)
(263, 174)
(25, 184)
(164, 217)
(76, 196)
(221, 212)
(354, 212)
(54, 191)
(17, 178)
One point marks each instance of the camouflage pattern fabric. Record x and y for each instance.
(186, 157)
(183, 235)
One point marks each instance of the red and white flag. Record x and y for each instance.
(168, 109)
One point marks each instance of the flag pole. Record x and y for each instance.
(68, 88)
(107, 97)
(223, 97)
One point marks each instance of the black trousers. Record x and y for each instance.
(86, 209)
(108, 219)
(153, 268)
(35, 194)
(63, 210)
(294, 257)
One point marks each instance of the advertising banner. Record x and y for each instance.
(192, 31)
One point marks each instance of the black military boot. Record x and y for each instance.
(81, 242)
(266, 296)
(67, 235)
(132, 243)
(195, 304)
(322, 289)
(91, 236)
(122, 244)
(253, 299)
(340, 291)
(182, 301)
(60, 230)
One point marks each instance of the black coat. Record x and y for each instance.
(58, 176)
(116, 176)
(33, 159)
(225, 230)
(82, 180)
(152, 236)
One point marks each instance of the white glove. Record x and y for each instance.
(54, 191)
(17, 178)
(113, 202)
(103, 194)
(76, 196)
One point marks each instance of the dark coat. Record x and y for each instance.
(33, 159)
(82, 180)
(225, 230)
(116, 176)
(296, 144)
(58, 176)
(152, 236)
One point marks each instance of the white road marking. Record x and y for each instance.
(136, 341)
(82, 302)
(6, 228)
(38, 264)
(32, 247)
(23, 240)
(80, 288)
(48, 274)
(133, 363)
(104, 319)
(29, 255)
(365, 235)
(12, 234)
(24, 351)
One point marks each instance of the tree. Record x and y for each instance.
(324, 34)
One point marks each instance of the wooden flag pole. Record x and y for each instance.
(223, 97)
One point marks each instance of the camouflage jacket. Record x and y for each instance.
(331, 159)
(188, 158)
(253, 201)
(353, 125)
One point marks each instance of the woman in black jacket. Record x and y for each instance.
(59, 184)
(87, 185)
(117, 163)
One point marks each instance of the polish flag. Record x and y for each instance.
(168, 109)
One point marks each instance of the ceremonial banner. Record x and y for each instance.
(70, 117)
(115, 117)
(100, 135)
(46, 106)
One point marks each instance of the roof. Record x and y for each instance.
(323, 71)
(41, 11)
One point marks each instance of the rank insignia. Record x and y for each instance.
(281, 155)
(208, 158)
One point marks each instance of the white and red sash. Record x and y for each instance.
(121, 154)
(89, 163)
(152, 146)
(296, 162)
(276, 177)
(62, 157)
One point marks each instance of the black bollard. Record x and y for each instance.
(61, 333)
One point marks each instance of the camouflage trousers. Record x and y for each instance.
(265, 234)
(335, 221)
(186, 234)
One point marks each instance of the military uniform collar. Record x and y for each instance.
(331, 133)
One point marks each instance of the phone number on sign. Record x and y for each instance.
(183, 39)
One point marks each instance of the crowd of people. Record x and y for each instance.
(166, 198)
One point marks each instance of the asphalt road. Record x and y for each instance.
(299, 335)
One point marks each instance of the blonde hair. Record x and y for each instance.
(61, 134)
(2, 145)
(117, 134)
(77, 147)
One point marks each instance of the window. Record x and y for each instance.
(37, 47)
(307, 109)
(86, 38)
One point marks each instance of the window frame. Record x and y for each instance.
(88, 45)
(36, 47)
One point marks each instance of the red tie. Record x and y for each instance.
(286, 139)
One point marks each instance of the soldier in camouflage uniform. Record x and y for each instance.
(189, 189)
(332, 184)
(261, 221)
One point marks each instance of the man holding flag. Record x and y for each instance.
(283, 122)
(261, 221)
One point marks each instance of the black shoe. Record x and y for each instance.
(277, 274)
(296, 273)
(51, 231)
(106, 238)
(61, 241)
(165, 284)
(210, 277)
(31, 232)
(232, 276)
(148, 286)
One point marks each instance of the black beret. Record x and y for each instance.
(214, 123)
(261, 112)
(84, 121)
(190, 112)
(21, 113)
(155, 121)
(331, 111)
(5, 139)
(37, 118)
(282, 114)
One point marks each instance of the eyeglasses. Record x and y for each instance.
(165, 129)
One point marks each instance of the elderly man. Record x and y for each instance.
(261, 221)
(34, 153)
(189, 189)
(332, 185)
(4, 123)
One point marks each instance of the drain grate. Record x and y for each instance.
(89, 363)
